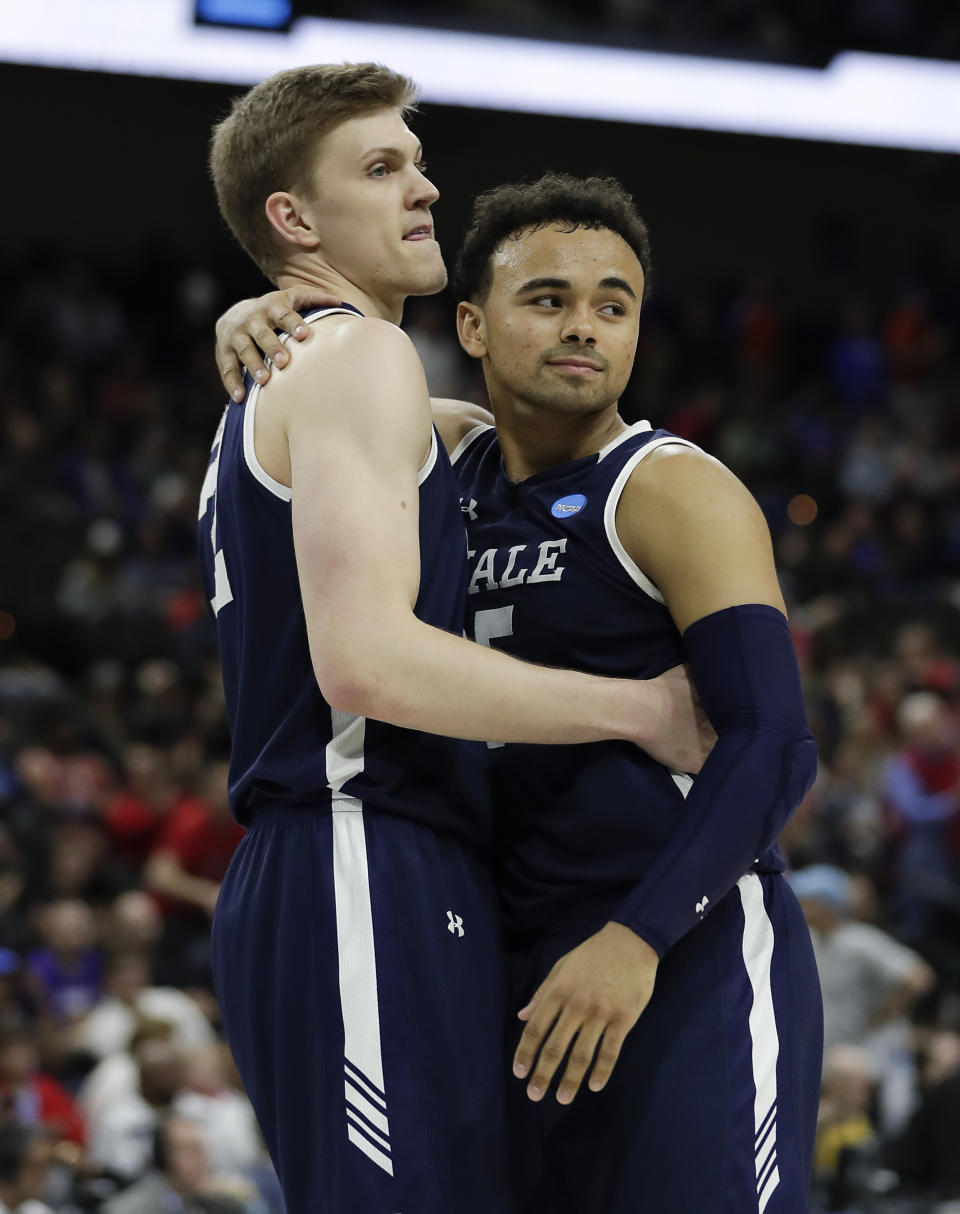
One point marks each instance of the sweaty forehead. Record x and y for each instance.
(582, 256)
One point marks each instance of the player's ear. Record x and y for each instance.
(472, 329)
(286, 214)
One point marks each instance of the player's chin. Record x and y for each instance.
(430, 279)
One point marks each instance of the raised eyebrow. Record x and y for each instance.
(537, 284)
(619, 284)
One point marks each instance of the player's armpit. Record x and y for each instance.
(455, 419)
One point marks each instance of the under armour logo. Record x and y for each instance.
(702, 906)
(470, 509)
(455, 926)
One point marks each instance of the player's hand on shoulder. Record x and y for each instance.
(246, 333)
(591, 999)
(455, 419)
(698, 534)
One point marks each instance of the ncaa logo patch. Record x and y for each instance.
(564, 507)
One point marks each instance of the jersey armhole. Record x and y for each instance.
(430, 461)
(610, 513)
(468, 440)
(275, 487)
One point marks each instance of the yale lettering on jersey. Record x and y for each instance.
(516, 565)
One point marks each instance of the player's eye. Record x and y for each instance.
(420, 166)
(546, 301)
(378, 170)
(614, 309)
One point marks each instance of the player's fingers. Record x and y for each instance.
(552, 1053)
(268, 342)
(534, 1034)
(614, 1036)
(250, 356)
(580, 1058)
(231, 374)
(290, 322)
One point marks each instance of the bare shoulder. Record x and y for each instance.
(455, 419)
(348, 342)
(679, 478)
(368, 362)
(697, 533)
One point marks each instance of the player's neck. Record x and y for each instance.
(326, 278)
(532, 441)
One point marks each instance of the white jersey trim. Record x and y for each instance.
(613, 500)
(430, 462)
(277, 488)
(468, 439)
(636, 428)
(758, 945)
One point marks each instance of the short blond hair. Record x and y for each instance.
(267, 141)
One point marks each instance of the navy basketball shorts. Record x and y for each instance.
(358, 968)
(712, 1107)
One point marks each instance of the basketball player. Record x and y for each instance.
(356, 956)
(620, 873)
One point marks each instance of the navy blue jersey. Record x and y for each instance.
(289, 747)
(550, 582)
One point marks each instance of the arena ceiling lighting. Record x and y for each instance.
(883, 100)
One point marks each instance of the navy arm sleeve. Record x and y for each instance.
(745, 668)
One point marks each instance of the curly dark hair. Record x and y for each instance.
(555, 198)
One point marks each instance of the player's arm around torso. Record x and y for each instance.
(352, 412)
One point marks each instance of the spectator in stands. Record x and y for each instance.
(181, 1173)
(67, 969)
(30, 1096)
(868, 978)
(138, 809)
(122, 1131)
(870, 981)
(133, 924)
(926, 1156)
(24, 1166)
(844, 1127)
(212, 1099)
(186, 867)
(921, 784)
(129, 999)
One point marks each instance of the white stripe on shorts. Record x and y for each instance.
(757, 957)
(358, 971)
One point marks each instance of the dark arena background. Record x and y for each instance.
(803, 328)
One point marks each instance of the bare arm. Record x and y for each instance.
(355, 525)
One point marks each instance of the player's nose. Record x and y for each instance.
(578, 326)
(424, 192)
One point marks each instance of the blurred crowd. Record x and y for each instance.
(792, 30)
(840, 413)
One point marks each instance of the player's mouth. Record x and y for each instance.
(576, 366)
(423, 231)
